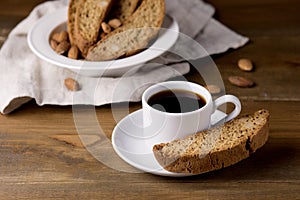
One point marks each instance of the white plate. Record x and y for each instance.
(133, 149)
(38, 40)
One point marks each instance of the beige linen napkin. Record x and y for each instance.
(24, 76)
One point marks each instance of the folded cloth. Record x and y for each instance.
(24, 76)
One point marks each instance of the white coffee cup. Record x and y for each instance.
(160, 126)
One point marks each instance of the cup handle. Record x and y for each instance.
(229, 99)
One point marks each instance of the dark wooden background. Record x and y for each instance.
(41, 155)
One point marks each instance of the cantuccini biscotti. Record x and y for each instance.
(89, 16)
(71, 20)
(133, 35)
(123, 9)
(216, 148)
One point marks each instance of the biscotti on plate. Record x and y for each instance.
(133, 36)
(88, 18)
(215, 148)
(111, 29)
(71, 20)
(122, 9)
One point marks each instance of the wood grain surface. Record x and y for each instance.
(42, 156)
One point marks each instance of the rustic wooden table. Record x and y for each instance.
(41, 155)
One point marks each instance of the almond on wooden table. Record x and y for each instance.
(240, 81)
(213, 89)
(245, 64)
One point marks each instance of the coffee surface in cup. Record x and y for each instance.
(176, 101)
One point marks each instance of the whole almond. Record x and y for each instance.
(55, 37)
(213, 89)
(245, 64)
(105, 27)
(71, 84)
(53, 44)
(62, 47)
(73, 52)
(115, 23)
(60, 37)
(240, 81)
(102, 35)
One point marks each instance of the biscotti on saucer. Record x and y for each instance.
(215, 148)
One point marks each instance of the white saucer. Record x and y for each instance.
(39, 36)
(133, 149)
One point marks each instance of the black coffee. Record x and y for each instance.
(176, 101)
